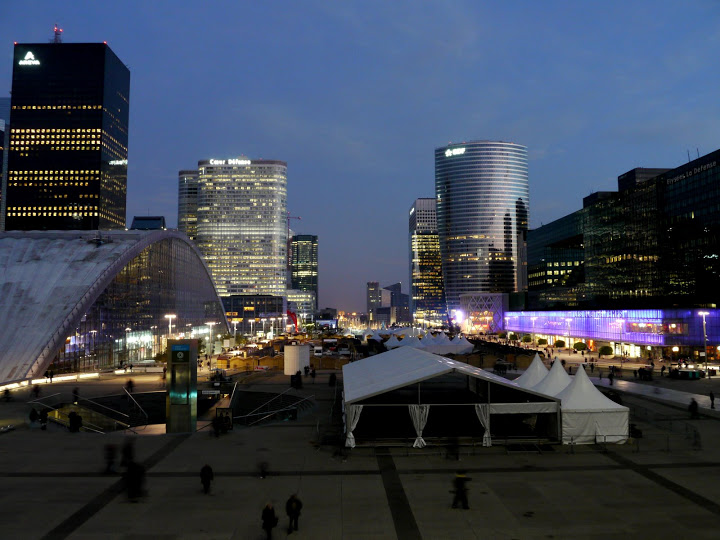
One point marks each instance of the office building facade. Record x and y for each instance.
(652, 244)
(241, 224)
(4, 147)
(304, 264)
(373, 297)
(67, 167)
(482, 196)
(427, 293)
(187, 202)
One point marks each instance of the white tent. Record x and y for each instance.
(367, 381)
(412, 342)
(429, 339)
(376, 336)
(533, 374)
(554, 382)
(588, 416)
(462, 345)
(392, 342)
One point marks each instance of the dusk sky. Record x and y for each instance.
(356, 96)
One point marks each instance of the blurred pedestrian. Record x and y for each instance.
(693, 408)
(76, 395)
(36, 391)
(611, 377)
(312, 375)
(206, 477)
(269, 520)
(34, 416)
(293, 506)
(129, 385)
(459, 483)
(712, 400)
(43, 419)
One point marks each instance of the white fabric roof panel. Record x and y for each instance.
(554, 382)
(403, 366)
(582, 396)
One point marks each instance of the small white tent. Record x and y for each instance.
(462, 345)
(392, 342)
(412, 342)
(554, 382)
(588, 416)
(533, 374)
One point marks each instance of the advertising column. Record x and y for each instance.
(181, 404)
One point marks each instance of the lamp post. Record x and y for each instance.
(252, 323)
(263, 321)
(284, 317)
(212, 347)
(127, 345)
(234, 329)
(272, 326)
(532, 319)
(170, 320)
(703, 314)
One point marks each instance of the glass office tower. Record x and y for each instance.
(427, 294)
(67, 167)
(241, 224)
(482, 210)
(304, 264)
(187, 202)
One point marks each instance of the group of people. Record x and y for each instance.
(270, 520)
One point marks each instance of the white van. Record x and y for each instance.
(318, 351)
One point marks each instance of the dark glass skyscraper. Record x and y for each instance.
(304, 264)
(67, 166)
(188, 202)
(482, 211)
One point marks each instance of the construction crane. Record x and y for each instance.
(57, 37)
(289, 217)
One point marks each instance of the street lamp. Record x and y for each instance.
(127, 344)
(252, 323)
(284, 317)
(272, 326)
(703, 314)
(170, 320)
(263, 321)
(212, 346)
(234, 328)
(532, 319)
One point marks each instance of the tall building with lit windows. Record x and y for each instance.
(242, 224)
(482, 211)
(187, 202)
(67, 167)
(4, 144)
(427, 294)
(304, 264)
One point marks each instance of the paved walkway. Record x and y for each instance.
(54, 487)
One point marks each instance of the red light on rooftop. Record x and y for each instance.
(105, 42)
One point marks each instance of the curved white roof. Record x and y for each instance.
(554, 382)
(48, 280)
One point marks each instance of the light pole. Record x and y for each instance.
(234, 329)
(212, 346)
(252, 323)
(263, 321)
(532, 319)
(703, 314)
(170, 320)
(284, 317)
(272, 326)
(127, 345)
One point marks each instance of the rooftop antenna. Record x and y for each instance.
(688, 152)
(698, 152)
(57, 38)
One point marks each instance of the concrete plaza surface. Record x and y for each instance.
(53, 485)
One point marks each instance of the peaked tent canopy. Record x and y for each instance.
(392, 343)
(554, 382)
(588, 416)
(533, 374)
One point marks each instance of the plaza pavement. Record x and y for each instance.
(53, 485)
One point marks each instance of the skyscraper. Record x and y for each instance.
(187, 202)
(427, 294)
(4, 143)
(241, 224)
(67, 165)
(304, 264)
(482, 208)
(373, 297)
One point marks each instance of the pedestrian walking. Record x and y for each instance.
(129, 385)
(293, 506)
(693, 408)
(592, 367)
(712, 400)
(43, 419)
(312, 375)
(206, 477)
(269, 520)
(76, 395)
(611, 377)
(36, 391)
(34, 416)
(460, 491)
(110, 452)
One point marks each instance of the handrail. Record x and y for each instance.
(232, 394)
(147, 417)
(103, 406)
(269, 401)
(271, 413)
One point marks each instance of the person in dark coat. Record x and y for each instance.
(134, 481)
(34, 415)
(206, 477)
(43, 419)
(76, 394)
(712, 399)
(293, 506)
(269, 519)
(460, 490)
(693, 408)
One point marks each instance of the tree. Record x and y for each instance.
(542, 341)
(513, 337)
(580, 346)
(605, 350)
(527, 338)
(559, 344)
(503, 335)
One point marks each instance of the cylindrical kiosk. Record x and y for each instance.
(296, 358)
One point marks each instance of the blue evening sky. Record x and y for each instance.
(355, 96)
